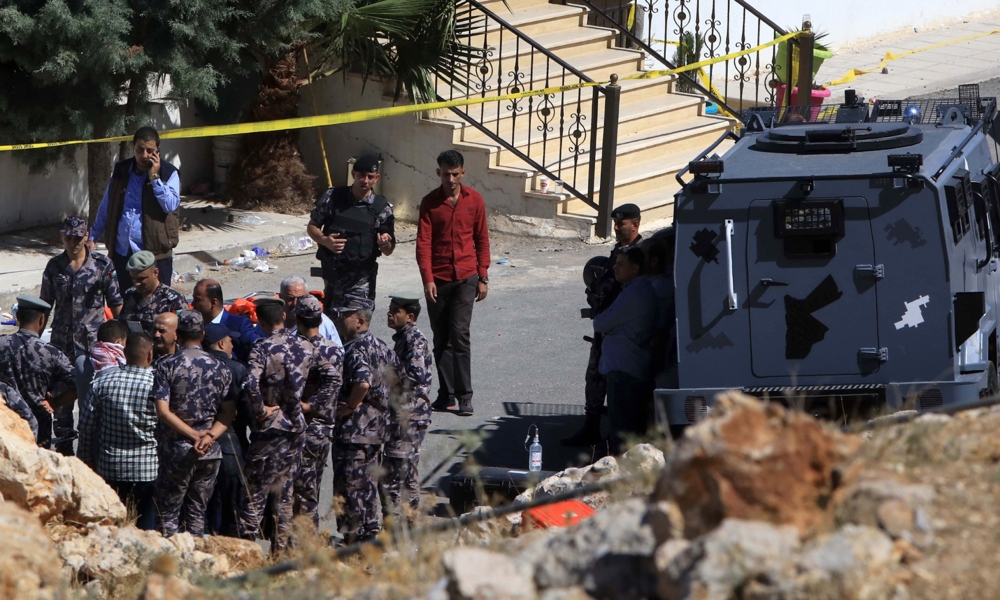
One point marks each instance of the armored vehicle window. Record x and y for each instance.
(810, 228)
(983, 195)
(958, 192)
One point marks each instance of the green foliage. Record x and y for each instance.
(401, 40)
(688, 52)
(67, 65)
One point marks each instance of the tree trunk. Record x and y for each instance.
(98, 174)
(270, 173)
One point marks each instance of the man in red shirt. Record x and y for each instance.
(453, 255)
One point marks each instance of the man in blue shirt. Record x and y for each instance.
(292, 288)
(628, 326)
(208, 300)
(139, 210)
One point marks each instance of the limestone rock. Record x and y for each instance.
(48, 484)
(11, 424)
(242, 555)
(755, 461)
(571, 593)
(166, 587)
(881, 500)
(855, 562)
(477, 574)
(666, 520)
(108, 551)
(725, 561)
(609, 554)
(29, 564)
(643, 458)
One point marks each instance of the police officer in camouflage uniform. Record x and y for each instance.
(277, 375)
(600, 295)
(193, 394)
(16, 403)
(411, 411)
(40, 372)
(148, 297)
(353, 226)
(319, 404)
(78, 283)
(370, 371)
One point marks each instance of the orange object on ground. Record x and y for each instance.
(108, 315)
(244, 307)
(318, 294)
(560, 514)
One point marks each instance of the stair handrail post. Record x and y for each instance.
(807, 43)
(609, 152)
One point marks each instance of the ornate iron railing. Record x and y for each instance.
(559, 134)
(696, 30)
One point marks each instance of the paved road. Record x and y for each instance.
(527, 344)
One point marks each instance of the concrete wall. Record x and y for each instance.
(30, 200)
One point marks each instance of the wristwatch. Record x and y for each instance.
(156, 176)
(485, 280)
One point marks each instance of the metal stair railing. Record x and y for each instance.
(699, 30)
(556, 134)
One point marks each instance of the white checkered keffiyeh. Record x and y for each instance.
(118, 428)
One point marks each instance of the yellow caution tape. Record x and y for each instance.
(889, 56)
(382, 113)
(631, 16)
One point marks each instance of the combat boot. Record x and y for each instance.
(590, 435)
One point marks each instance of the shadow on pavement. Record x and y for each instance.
(502, 441)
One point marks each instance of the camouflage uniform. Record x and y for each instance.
(345, 273)
(359, 437)
(35, 368)
(78, 310)
(17, 404)
(322, 400)
(279, 368)
(194, 383)
(411, 415)
(163, 299)
(78, 300)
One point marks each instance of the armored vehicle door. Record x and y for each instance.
(811, 278)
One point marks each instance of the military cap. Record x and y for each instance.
(33, 303)
(268, 300)
(405, 300)
(74, 225)
(308, 307)
(626, 211)
(354, 303)
(216, 331)
(140, 261)
(366, 164)
(190, 321)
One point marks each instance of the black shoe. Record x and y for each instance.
(443, 404)
(590, 435)
(465, 408)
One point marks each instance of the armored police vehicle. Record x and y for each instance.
(842, 259)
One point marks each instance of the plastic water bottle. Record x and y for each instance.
(535, 454)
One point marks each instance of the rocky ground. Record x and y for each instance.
(755, 503)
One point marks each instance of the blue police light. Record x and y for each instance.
(911, 114)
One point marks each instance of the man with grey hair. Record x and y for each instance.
(292, 288)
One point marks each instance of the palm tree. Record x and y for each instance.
(405, 41)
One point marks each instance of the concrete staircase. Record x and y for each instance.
(660, 129)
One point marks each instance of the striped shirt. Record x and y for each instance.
(118, 427)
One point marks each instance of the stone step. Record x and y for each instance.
(532, 21)
(652, 164)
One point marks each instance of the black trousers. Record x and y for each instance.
(223, 508)
(629, 400)
(140, 495)
(450, 318)
(165, 265)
